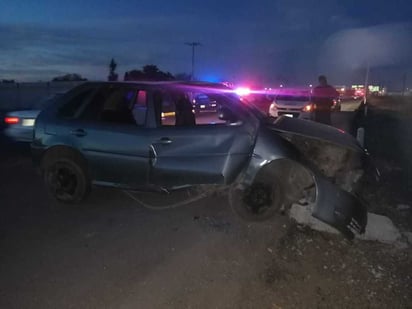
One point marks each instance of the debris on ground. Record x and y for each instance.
(329, 271)
(379, 228)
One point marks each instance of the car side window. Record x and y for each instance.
(111, 104)
(165, 108)
(192, 109)
(70, 108)
(140, 108)
(207, 109)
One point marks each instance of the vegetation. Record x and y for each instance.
(69, 78)
(113, 76)
(149, 72)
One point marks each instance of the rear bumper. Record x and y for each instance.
(338, 208)
(19, 134)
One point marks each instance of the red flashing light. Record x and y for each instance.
(242, 91)
(11, 120)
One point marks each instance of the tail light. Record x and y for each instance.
(11, 120)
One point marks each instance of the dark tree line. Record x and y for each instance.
(69, 78)
(148, 72)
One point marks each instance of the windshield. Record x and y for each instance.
(292, 98)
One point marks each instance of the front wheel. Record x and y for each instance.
(258, 202)
(66, 179)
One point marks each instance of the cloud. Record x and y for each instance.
(347, 53)
(379, 46)
(132, 42)
(34, 46)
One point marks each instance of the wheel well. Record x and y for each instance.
(63, 151)
(295, 179)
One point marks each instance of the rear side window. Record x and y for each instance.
(111, 104)
(70, 108)
(140, 108)
(168, 110)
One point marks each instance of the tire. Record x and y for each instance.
(65, 176)
(261, 201)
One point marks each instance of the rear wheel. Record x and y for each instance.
(65, 177)
(258, 202)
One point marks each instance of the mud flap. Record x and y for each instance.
(339, 208)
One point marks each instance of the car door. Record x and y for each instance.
(210, 152)
(110, 132)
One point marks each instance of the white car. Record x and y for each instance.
(295, 106)
(20, 124)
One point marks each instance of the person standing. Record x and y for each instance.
(322, 97)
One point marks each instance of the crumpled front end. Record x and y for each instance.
(337, 173)
(324, 167)
(339, 208)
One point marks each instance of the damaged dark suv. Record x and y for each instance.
(146, 136)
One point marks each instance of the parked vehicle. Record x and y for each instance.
(290, 105)
(114, 134)
(336, 107)
(20, 124)
(297, 106)
(202, 103)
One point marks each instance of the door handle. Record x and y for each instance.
(164, 141)
(78, 132)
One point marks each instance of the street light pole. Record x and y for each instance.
(366, 88)
(367, 79)
(193, 45)
(403, 84)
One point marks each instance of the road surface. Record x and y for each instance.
(350, 105)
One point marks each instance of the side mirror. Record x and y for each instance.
(227, 115)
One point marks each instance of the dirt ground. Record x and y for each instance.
(113, 253)
(314, 270)
(309, 269)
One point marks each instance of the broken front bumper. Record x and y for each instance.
(338, 208)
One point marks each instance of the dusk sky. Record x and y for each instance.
(266, 41)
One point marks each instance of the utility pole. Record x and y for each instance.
(403, 84)
(367, 79)
(193, 45)
(366, 88)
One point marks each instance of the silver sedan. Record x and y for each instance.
(20, 124)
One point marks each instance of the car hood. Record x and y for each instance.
(310, 129)
(24, 113)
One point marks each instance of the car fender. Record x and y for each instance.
(333, 204)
